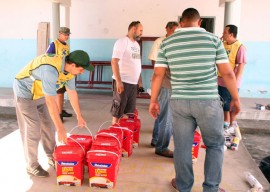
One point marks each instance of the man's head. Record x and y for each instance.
(230, 33)
(170, 27)
(64, 33)
(135, 30)
(190, 18)
(77, 61)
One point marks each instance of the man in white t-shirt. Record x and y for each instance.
(126, 68)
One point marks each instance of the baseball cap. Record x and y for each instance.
(64, 30)
(81, 58)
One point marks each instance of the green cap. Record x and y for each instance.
(64, 30)
(81, 58)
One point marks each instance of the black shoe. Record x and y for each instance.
(51, 162)
(66, 114)
(140, 89)
(153, 144)
(166, 153)
(38, 172)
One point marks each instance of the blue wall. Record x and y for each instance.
(256, 77)
(16, 53)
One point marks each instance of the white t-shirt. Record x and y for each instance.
(128, 53)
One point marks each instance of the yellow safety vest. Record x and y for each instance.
(60, 48)
(46, 59)
(232, 51)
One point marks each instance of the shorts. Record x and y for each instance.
(225, 97)
(125, 102)
(61, 90)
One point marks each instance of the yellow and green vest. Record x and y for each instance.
(232, 51)
(60, 48)
(46, 59)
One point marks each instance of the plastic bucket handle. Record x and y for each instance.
(103, 124)
(77, 127)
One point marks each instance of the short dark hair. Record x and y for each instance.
(233, 29)
(190, 14)
(133, 24)
(171, 24)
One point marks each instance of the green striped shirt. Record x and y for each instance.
(192, 54)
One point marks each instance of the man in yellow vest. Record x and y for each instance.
(60, 47)
(35, 89)
(237, 58)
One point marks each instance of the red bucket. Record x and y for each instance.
(127, 140)
(135, 126)
(107, 142)
(69, 165)
(196, 146)
(103, 168)
(117, 133)
(81, 140)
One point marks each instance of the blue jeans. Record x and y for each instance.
(163, 124)
(208, 115)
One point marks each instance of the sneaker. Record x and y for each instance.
(51, 162)
(66, 114)
(166, 153)
(226, 125)
(229, 132)
(38, 172)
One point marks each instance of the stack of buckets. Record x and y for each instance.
(101, 153)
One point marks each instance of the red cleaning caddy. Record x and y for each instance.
(133, 123)
(69, 165)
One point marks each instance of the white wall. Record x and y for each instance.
(110, 18)
(255, 20)
(19, 18)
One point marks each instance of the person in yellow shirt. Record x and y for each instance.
(60, 47)
(236, 52)
(35, 88)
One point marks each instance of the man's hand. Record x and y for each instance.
(81, 122)
(62, 136)
(154, 109)
(235, 107)
(119, 87)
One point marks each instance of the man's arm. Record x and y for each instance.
(116, 73)
(157, 78)
(74, 101)
(230, 82)
(54, 113)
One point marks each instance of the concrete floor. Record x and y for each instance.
(142, 172)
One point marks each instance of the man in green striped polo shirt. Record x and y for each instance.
(193, 56)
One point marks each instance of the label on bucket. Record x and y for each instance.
(104, 165)
(67, 163)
